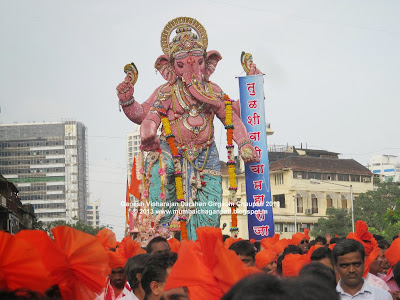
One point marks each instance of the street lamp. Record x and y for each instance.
(295, 212)
(317, 181)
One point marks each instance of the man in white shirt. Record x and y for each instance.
(349, 257)
(134, 268)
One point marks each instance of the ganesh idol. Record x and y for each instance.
(181, 178)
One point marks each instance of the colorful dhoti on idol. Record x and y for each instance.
(202, 186)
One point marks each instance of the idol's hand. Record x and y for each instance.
(125, 89)
(249, 154)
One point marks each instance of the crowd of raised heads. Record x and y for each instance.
(73, 265)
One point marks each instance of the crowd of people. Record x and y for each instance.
(76, 265)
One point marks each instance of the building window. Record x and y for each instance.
(281, 199)
(300, 204)
(278, 227)
(299, 175)
(366, 179)
(279, 179)
(344, 202)
(355, 178)
(343, 177)
(289, 227)
(328, 176)
(314, 175)
(328, 202)
(314, 203)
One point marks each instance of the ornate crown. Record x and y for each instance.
(185, 39)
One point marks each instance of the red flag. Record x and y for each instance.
(134, 188)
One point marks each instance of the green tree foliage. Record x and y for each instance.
(77, 224)
(379, 208)
(338, 221)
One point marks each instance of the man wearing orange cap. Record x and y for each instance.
(292, 264)
(392, 255)
(115, 288)
(301, 240)
(266, 260)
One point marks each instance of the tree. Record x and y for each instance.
(380, 209)
(338, 221)
(79, 225)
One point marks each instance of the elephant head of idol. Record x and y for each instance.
(186, 59)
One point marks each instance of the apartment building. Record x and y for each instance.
(93, 214)
(48, 164)
(385, 167)
(304, 183)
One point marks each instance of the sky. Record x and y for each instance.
(332, 72)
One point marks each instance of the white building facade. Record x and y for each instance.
(385, 167)
(93, 214)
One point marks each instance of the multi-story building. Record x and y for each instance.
(132, 148)
(304, 183)
(14, 215)
(385, 167)
(48, 164)
(93, 213)
(304, 187)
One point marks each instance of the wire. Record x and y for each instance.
(107, 182)
(108, 137)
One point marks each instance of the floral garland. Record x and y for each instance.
(177, 171)
(231, 165)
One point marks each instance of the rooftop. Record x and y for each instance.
(326, 165)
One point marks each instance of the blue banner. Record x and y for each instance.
(258, 187)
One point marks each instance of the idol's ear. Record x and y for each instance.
(166, 70)
(213, 57)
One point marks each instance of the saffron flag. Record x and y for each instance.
(258, 190)
(134, 188)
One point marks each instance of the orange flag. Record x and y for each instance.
(134, 188)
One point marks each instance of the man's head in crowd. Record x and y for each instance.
(383, 246)
(157, 244)
(320, 240)
(246, 252)
(258, 286)
(269, 287)
(320, 270)
(134, 268)
(289, 249)
(348, 256)
(324, 256)
(311, 288)
(156, 272)
(118, 277)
